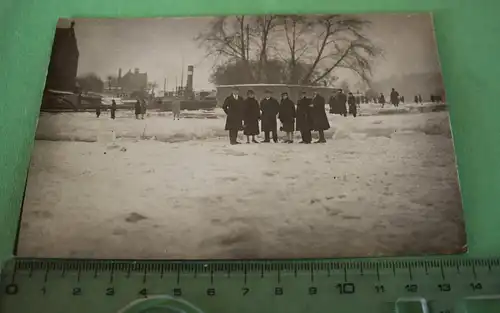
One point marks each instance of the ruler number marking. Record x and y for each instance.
(411, 288)
(144, 292)
(11, 289)
(476, 286)
(346, 288)
(211, 292)
(380, 288)
(77, 291)
(177, 292)
(110, 291)
(43, 290)
(278, 291)
(444, 287)
(245, 290)
(313, 291)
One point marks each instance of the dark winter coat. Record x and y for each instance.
(415, 99)
(251, 116)
(270, 109)
(144, 107)
(319, 118)
(287, 115)
(234, 109)
(351, 100)
(304, 115)
(138, 108)
(341, 100)
(113, 109)
(394, 97)
(381, 99)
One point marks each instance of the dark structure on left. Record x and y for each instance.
(63, 64)
(62, 92)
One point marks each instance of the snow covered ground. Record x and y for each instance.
(381, 185)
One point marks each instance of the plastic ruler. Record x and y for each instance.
(449, 285)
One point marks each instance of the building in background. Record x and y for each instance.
(132, 81)
(63, 64)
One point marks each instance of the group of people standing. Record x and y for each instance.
(338, 102)
(140, 108)
(244, 114)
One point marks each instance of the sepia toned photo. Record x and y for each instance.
(243, 137)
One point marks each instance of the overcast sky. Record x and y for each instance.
(160, 46)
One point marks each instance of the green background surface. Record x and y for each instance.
(468, 34)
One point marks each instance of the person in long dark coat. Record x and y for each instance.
(143, 108)
(98, 110)
(420, 98)
(381, 99)
(251, 117)
(341, 103)
(304, 118)
(113, 108)
(394, 97)
(287, 116)
(320, 120)
(415, 99)
(270, 108)
(138, 109)
(351, 101)
(233, 107)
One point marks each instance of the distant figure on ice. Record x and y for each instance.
(304, 118)
(381, 99)
(233, 107)
(270, 109)
(251, 117)
(287, 116)
(176, 107)
(420, 98)
(143, 108)
(415, 99)
(340, 101)
(394, 98)
(137, 108)
(351, 100)
(402, 98)
(98, 110)
(113, 108)
(332, 102)
(319, 118)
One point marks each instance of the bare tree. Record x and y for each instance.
(340, 43)
(228, 38)
(312, 48)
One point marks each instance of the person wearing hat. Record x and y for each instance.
(287, 116)
(251, 117)
(176, 107)
(394, 97)
(303, 114)
(270, 109)
(233, 107)
(351, 100)
(319, 118)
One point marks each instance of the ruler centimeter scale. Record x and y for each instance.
(449, 285)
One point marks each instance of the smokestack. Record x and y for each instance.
(119, 74)
(189, 85)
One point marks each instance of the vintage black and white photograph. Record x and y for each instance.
(243, 137)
